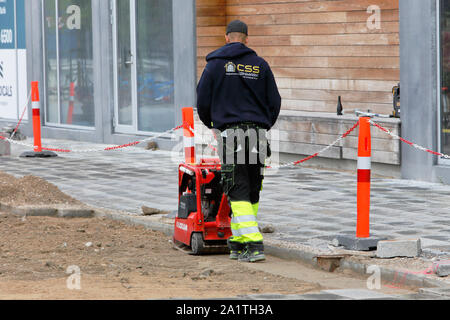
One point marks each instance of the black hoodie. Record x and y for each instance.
(237, 86)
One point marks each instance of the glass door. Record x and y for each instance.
(144, 66)
(125, 67)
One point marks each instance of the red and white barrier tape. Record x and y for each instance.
(296, 163)
(133, 144)
(21, 116)
(412, 144)
(110, 148)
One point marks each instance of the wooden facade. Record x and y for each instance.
(318, 50)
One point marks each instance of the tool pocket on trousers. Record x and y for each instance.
(227, 178)
(265, 151)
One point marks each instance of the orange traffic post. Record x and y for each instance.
(363, 240)
(36, 109)
(71, 103)
(189, 137)
(364, 174)
(36, 106)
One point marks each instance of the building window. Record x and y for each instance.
(445, 75)
(155, 74)
(144, 66)
(68, 60)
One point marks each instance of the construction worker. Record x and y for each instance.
(238, 97)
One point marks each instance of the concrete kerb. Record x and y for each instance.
(304, 255)
(394, 277)
(61, 211)
(154, 222)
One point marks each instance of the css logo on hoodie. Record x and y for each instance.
(245, 71)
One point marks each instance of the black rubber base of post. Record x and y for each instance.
(42, 154)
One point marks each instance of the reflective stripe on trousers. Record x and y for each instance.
(244, 225)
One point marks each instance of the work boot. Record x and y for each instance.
(253, 252)
(236, 249)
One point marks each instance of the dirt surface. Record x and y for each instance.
(49, 258)
(56, 258)
(117, 261)
(31, 190)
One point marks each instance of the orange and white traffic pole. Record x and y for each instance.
(189, 136)
(36, 106)
(38, 151)
(71, 103)
(364, 174)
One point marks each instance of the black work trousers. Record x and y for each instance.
(243, 149)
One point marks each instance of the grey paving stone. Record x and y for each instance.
(408, 232)
(358, 244)
(421, 296)
(326, 228)
(358, 294)
(436, 292)
(442, 269)
(321, 296)
(399, 248)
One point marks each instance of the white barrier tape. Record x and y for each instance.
(192, 130)
(36, 105)
(116, 148)
(295, 163)
(110, 148)
(412, 144)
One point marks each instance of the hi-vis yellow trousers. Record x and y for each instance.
(244, 223)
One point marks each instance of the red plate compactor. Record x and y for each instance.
(203, 219)
(203, 222)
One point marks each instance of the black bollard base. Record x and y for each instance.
(42, 154)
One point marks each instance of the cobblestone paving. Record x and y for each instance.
(306, 206)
